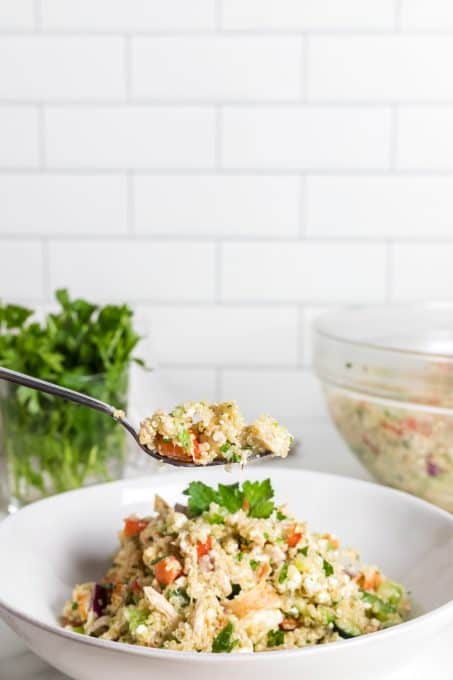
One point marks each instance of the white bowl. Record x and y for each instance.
(49, 546)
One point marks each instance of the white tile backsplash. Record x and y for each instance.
(121, 270)
(385, 207)
(19, 139)
(425, 15)
(21, 270)
(127, 15)
(304, 272)
(51, 67)
(285, 394)
(214, 335)
(422, 271)
(380, 68)
(17, 14)
(130, 137)
(425, 138)
(218, 205)
(231, 168)
(211, 68)
(49, 204)
(305, 138)
(308, 14)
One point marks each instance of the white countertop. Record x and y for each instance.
(322, 450)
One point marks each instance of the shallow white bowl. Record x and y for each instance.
(49, 546)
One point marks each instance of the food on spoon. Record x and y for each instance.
(200, 432)
(232, 573)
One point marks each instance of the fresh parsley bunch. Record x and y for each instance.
(52, 445)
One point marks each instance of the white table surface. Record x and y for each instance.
(321, 450)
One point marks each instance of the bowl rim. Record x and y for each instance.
(317, 327)
(209, 657)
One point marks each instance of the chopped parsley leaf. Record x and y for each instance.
(328, 569)
(275, 638)
(185, 439)
(223, 641)
(283, 575)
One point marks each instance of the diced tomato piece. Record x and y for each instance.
(133, 526)
(419, 426)
(196, 448)
(204, 548)
(374, 449)
(391, 427)
(171, 450)
(135, 586)
(293, 538)
(370, 582)
(167, 570)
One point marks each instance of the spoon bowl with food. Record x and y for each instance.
(193, 434)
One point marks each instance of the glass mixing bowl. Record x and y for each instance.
(387, 373)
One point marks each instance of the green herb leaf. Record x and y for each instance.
(51, 445)
(254, 564)
(275, 638)
(230, 497)
(180, 593)
(254, 496)
(281, 516)
(200, 497)
(303, 551)
(328, 569)
(258, 495)
(283, 575)
(223, 641)
(185, 439)
(136, 617)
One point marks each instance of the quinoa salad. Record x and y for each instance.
(201, 432)
(409, 447)
(232, 572)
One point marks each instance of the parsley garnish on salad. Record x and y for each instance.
(255, 498)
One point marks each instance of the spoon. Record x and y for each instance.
(98, 405)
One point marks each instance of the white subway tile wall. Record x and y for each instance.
(232, 168)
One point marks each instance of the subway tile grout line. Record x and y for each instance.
(218, 12)
(227, 32)
(102, 238)
(42, 138)
(179, 171)
(37, 16)
(399, 16)
(127, 48)
(209, 103)
(107, 102)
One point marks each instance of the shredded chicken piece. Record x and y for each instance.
(158, 601)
